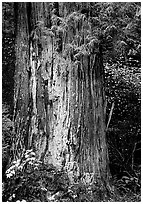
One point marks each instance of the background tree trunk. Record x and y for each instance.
(22, 94)
(59, 105)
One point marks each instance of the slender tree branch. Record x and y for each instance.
(110, 115)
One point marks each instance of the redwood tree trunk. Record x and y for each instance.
(59, 104)
(22, 94)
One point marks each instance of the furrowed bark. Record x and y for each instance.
(59, 104)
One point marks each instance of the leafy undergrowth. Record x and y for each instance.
(32, 181)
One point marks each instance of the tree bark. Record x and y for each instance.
(21, 94)
(59, 104)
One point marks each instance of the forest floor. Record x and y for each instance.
(46, 184)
